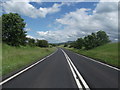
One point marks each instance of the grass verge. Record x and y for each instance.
(107, 53)
(14, 58)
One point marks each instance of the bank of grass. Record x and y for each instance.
(14, 58)
(0, 59)
(107, 53)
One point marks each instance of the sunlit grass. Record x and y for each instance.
(107, 53)
(13, 58)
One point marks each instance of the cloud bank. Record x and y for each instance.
(80, 23)
(25, 8)
(76, 24)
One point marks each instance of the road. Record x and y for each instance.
(65, 69)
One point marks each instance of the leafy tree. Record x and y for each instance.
(72, 44)
(0, 29)
(87, 42)
(42, 43)
(13, 29)
(102, 38)
(94, 40)
(79, 43)
(53, 44)
(90, 41)
(65, 45)
(31, 41)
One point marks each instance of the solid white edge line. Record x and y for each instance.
(20, 72)
(98, 62)
(73, 72)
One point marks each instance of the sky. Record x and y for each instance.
(59, 22)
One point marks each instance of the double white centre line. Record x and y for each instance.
(77, 76)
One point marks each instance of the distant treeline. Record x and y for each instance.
(13, 32)
(90, 41)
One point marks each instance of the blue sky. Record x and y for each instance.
(61, 22)
(47, 23)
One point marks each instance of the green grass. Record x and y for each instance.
(107, 53)
(14, 58)
(0, 59)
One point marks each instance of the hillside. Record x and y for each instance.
(107, 53)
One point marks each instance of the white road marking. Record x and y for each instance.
(99, 62)
(73, 72)
(20, 72)
(79, 75)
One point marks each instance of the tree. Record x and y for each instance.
(42, 43)
(53, 45)
(94, 40)
(65, 45)
(13, 29)
(72, 44)
(88, 42)
(79, 43)
(102, 38)
(31, 41)
(0, 29)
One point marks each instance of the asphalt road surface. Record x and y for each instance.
(65, 69)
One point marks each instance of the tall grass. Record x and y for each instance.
(13, 58)
(0, 59)
(107, 53)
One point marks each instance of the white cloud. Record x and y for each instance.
(29, 36)
(22, 0)
(25, 8)
(105, 7)
(44, 11)
(27, 29)
(116, 39)
(79, 23)
(57, 36)
(20, 7)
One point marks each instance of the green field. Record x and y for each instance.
(14, 58)
(107, 53)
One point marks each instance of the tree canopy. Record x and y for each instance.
(13, 29)
(91, 41)
(42, 43)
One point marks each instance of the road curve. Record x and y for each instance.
(55, 72)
